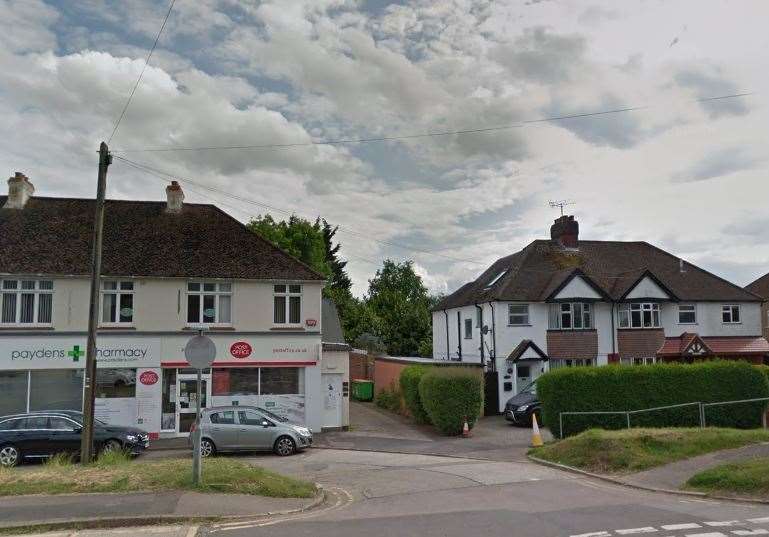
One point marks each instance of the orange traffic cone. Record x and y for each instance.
(466, 430)
(536, 437)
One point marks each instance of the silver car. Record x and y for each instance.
(248, 428)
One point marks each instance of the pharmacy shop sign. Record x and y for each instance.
(52, 352)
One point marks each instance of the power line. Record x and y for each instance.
(479, 130)
(165, 177)
(141, 74)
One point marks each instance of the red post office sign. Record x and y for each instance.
(311, 322)
(241, 349)
(148, 378)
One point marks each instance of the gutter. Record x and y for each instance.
(493, 336)
(480, 331)
(448, 350)
(613, 329)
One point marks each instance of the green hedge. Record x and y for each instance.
(389, 399)
(640, 387)
(409, 382)
(450, 395)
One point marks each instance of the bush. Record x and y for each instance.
(623, 388)
(389, 399)
(409, 382)
(450, 395)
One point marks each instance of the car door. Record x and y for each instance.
(255, 431)
(63, 435)
(224, 430)
(12, 432)
(33, 437)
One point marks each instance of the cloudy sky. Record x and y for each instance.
(687, 175)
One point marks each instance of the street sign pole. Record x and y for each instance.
(200, 353)
(197, 466)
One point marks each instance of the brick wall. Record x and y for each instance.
(387, 373)
(571, 344)
(361, 366)
(641, 343)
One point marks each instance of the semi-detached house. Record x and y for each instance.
(168, 268)
(569, 302)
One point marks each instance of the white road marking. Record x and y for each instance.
(763, 520)
(193, 531)
(722, 523)
(759, 531)
(714, 534)
(594, 534)
(688, 526)
(633, 531)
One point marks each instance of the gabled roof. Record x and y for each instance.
(760, 287)
(577, 273)
(536, 271)
(53, 236)
(522, 347)
(649, 274)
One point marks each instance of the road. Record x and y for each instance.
(382, 494)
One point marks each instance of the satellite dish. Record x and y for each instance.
(200, 352)
(485, 330)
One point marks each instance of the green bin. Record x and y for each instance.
(362, 390)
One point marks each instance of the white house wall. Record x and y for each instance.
(709, 320)
(578, 288)
(647, 288)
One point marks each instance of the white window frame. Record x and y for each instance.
(524, 316)
(691, 308)
(731, 308)
(468, 328)
(119, 291)
(19, 291)
(559, 309)
(626, 310)
(287, 293)
(217, 292)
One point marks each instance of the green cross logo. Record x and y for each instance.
(75, 353)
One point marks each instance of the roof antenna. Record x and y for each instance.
(560, 204)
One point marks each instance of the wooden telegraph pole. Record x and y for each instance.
(86, 441)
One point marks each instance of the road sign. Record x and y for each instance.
(200, 352)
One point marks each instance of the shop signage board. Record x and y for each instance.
(68, 352)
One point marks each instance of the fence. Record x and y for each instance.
(628, 413)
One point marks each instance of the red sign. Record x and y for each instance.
(311, 322)
(148, 378)
(241, 349)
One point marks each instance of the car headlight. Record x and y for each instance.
(304, 431)
(523, 408)
(130, 437)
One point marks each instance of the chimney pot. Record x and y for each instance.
(565, 230)
(174, 197)
(19, 191)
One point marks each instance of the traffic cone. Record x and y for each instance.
(536, 437)
(466, 430)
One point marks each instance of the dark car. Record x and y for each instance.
(39, 435)
(520, 408)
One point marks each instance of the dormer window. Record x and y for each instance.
(496, 279)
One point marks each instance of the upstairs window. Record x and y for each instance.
(518, 315)
(639, 315)
(571, 316)
(468, 329)
(730, 314)
(287, 304)
(209, 303)
(26, 302)
(117, 305)
(687, 314)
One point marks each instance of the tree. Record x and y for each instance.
(296, 236)
(399, 299)
(339, 278)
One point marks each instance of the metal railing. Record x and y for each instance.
(628, 413)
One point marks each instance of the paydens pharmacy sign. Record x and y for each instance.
(54, 352)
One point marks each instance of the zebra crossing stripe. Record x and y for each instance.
(633, 531)
(675, 527)
(759, 531)
(723, 523)
(714, 534)
(763, 520)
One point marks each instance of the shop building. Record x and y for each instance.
(169, 268)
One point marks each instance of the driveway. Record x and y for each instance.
(374, 429)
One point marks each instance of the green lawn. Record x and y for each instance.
(748, 478)
(117, 473)
(633, 450)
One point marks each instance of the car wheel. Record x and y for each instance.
(9, 456)
(285, 446)
(207, 448)
(110, 446)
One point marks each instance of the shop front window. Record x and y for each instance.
(60, 389)
(13, 386)
(168, 415)
(281, 381)
(114, 383)
(235, 381)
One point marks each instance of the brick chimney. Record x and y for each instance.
(175, 197)
(19, 191)
(565, 230)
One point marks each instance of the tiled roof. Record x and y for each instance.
(719, 346)
(760, 287)
(522, 347)
(534, 273)
(333, 335)
(53, 236)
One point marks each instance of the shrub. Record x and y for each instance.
(389, 399)
(623, 388)
(409, 383)
(450, 395)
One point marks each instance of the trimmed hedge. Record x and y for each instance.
(409, 382)
(634, 388)
(389, 399)
(450, 395)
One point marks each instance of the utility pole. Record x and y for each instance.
(86, 440)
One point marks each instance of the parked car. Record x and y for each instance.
(520, 408)
(42, 434)
(248, 428)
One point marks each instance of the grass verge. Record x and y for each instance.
(633, 450)
(749, 478)
(115, 472)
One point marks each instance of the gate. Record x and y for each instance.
(491, 393)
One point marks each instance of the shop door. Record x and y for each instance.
(187, 387)
(332, 400)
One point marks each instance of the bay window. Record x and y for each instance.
(117, 302)
(571, 316)
(287, 304)
(209, 303)
(26, 302)
(639, 315)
